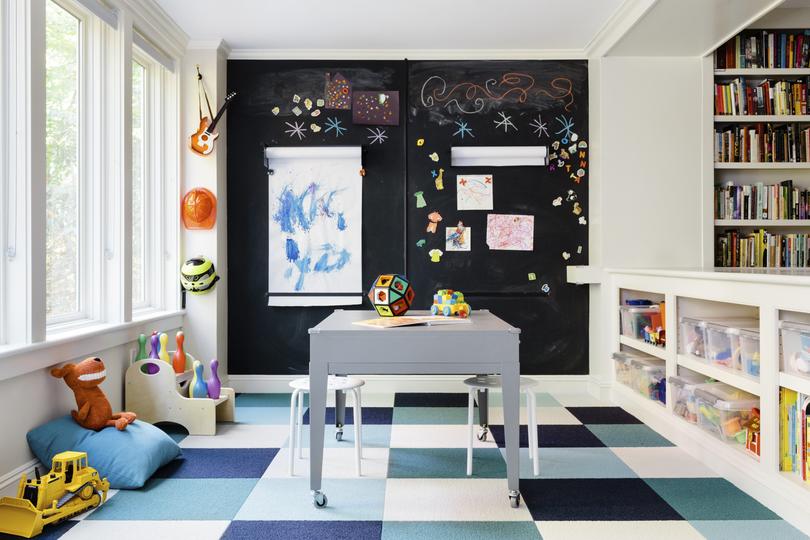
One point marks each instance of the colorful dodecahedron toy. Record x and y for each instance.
(391, 295)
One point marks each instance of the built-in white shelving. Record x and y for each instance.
(761, 165)
(753, 118)
(644, 347)
(762, 72)
(733, 377)
(762, 222)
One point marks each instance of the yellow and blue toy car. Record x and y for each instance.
(450, 303)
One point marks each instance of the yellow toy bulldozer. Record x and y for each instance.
(68, 490)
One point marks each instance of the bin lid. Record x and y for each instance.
(628, 356)
(648, 364)
(689, 380)
(750, 334)
(640, 309)
(733, 326)
(795, 326)
(727, 397)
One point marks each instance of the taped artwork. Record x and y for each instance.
(378, 108)
(315, 226)
(457, 238)
(474, 191)
(338, 92)
(510, 232)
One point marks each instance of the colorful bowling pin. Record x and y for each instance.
(141, 348)
(198, 388)
(179, 359)
(155, 347)
(164, 354)
(214, 384)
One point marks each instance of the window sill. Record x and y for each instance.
(70, 343)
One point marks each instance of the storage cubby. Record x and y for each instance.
(642, 321)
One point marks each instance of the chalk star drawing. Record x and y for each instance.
(463, 129)
(296, 129)
(566, 127)
(333, 124)
(505, 122)
(377, 135)
(539, 126)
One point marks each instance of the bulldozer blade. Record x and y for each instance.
(19, 517)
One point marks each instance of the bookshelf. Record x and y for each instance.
(738, 51)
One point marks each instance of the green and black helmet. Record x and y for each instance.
(198, 275)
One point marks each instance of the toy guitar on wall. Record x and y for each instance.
(202, 140)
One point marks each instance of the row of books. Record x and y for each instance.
(793, 429)
(767, 97)
(760, 201)
(760, 143)
(765, 49)
(762, 249)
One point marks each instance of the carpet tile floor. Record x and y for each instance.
(603, 474)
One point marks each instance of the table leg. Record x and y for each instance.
(510, 380)
(318, 371)
(483, 413)
(340, 413)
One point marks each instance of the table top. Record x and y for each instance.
(480, 321)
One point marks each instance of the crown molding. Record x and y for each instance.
(219, 45)
(411, 54)
(617, 25)
(154, 24)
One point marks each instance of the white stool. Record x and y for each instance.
(491, 382)
(342, 384)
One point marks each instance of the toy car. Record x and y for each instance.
(450, 303)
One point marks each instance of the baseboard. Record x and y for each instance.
(12, 478)
(780, 495)
(563, 384)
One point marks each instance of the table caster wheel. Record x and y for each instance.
(514, 499)
(482, 434)
(339, 435)
(319, 499)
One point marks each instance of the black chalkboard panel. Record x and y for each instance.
(506, 103)
(265, 340)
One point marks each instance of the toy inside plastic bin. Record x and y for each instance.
(649, 377)
(725, 411)
(749, 351)
(682, 391)
(622, 363)
(635, 318)
(723, 342)
(693, 337)
(796, 348)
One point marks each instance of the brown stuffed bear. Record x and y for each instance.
(94, 409)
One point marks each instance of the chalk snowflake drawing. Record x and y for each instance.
(377, 135)
(505, 122)
(566, 127)
(333, 124)
(539, 126)
(463, 129)
(296, 129)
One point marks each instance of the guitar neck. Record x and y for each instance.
(219, 115)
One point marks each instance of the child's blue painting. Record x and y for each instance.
(315, 226)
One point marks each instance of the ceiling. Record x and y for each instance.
(400, 25)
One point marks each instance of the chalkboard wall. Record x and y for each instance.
(434, 98)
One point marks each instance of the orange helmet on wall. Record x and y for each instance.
(199, 209)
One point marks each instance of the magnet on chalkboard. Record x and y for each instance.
(315, 113)
(434, 156)
(557, 201)
(579, 250)
(566, 255)
(577, 209)
(532, 276)
(420, 142)
(555, 145)
(296, 98)
(296, 111)
(582, 220)
(572, 196)
(545, 289)
(308, 104)
(275, 111)
(420, 199)
(582, 144)
(315, 128)
(421, 242)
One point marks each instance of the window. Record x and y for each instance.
(62, 146)
(140, 192)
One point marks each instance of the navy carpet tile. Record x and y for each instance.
(219, 463)
(371, 415)
(430, 400)
(303, 530)
(595, 499)
(553, 437)
(603, 415)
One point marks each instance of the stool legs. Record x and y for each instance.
(300, 423)
(357, 430)
(359, 418)
(531, 425)
(293, 415)
(470, 428)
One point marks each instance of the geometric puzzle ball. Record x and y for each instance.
(199, 209)
(391, 295)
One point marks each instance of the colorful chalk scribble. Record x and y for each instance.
(510, 232)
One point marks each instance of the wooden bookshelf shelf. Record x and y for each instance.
(762, 222)
(761, 165)
(733, 377)
(639, 345)
(762, 72)
(759, 118)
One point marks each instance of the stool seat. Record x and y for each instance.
(332, 383)
(494, 381)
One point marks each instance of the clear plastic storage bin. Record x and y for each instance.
(723, 342)
(693, 337)
(725, 411)
(635, 318)
(682, 392)
(796, 348)
(749, 352)
(622, 363)
(649, 377)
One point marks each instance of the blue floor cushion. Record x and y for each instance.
(127, 458)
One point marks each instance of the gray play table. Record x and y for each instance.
(486, 345)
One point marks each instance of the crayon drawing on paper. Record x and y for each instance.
(474, 192)
(315, 233)
(510, 232)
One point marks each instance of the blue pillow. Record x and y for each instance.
(127, 458)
